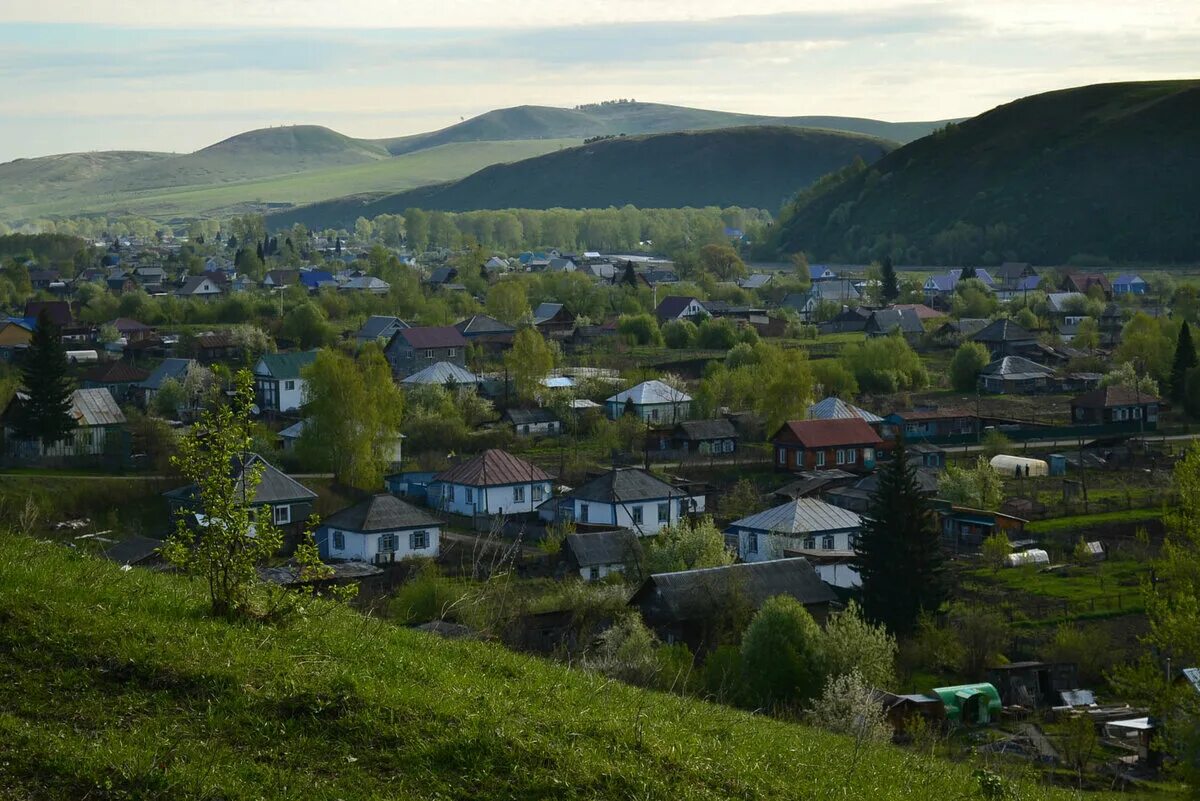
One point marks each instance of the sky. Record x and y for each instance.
(176, 75)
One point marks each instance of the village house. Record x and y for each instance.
(171, 369)
(278, 380)
(553, 320)
(199, 287)
(378, 328)
(1012, 375)
(413, 349)
(379, 529)
(132, 330)
(442, 374)
(487, 333)
(626, 497)
(99, 431)
(533, 422)
(365, 283)
(119, 377)
(952, 333)
(1083, 282)
(679, 307)
(884, 322)
(832, 408)
(848, 444)
(212, 347)
(804, 524)
(689, 606)
(595, 555)
(715, 437)
(1005, 337)
(1129, 284)
(493, 483)
(1116, 404)
(652, 401)
(1008, 276)
(15, 335)
(921, 424)
(820, 272)
(277, 279)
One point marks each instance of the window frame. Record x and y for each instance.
(415, 544)
(339, 540)
(583, 513)
(519, 493)
(636, 514)
(664, 507)
(281, 515)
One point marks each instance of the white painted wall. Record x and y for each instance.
(365, 547)
(772, 546)
(602, 570)
(291, 399)
(463, 500)
(652, 521)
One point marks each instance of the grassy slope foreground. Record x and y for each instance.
(116, 685)
(756, 167)
(1109, 169)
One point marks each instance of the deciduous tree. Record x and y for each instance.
(782, 655)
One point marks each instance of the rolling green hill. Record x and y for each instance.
(266, 163)
(544, 122)
(750, 167)
(116, 685)
(1108, 170)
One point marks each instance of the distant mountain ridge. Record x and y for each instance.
(74, 183)
(1108, 171)
(751, 167)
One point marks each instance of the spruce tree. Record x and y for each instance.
(1185, 359)
(899, 556)
(967, 272)
(45, 413)
(890, 289)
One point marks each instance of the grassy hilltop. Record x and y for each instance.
(116, 685)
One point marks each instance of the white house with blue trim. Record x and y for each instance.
(493, 483)
(381, 528)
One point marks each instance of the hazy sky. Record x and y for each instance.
(180, 74)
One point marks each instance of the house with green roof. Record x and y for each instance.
(278, 382)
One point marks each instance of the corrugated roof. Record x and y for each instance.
(801, 516)
(381, 512)
(1015, 366)
(1003, 330)
(378, 325)
(832, 408)
(483, 324)
(274, 486)
(830, 433)
(1113, 395)
(118, 372)
(604, 547)
(707, 429)
(95, 407)
(287, 365)
(625, 484)
(174, 369)
(443, 336)
(491, 468)
(442, 373)
(651, 392)
(697, 594)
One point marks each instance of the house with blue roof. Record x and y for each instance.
(1130, 284)
(820, 272)
(312, 280)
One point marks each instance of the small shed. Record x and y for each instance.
(1033, 683)
(970, 704)
(1034, 556)
(1058, 464)
(1019, 466)
(901, 710)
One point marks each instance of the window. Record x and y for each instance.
(852, 455)
(539, 492)
(636, 512)
(868, 454)
(820, 458)
(283, 515)
(654, 414)
(450, 493)
(810, 543)
(470, 493)
(841, 456)
(429, 354)
(664, 512)
(583, 513)
(418, 540)
(1137, 412)
(449, 353)
(827, 542)
(751, 542)
(593, 573)
(339, 541)
(782, 456)
(289, 385)
(387, 543)
(518, 495)
(799, 458)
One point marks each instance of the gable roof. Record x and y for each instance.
(801, 516)
(118, 372)
(286, 365)
(922, 311)
(604, 547)
(173, 369)
(651, 392)
(194, 283)
(1128, 278)
(382, 512)
(1084, 281)
(707, 429)
(967, 326)
(483, 324)
(530, 416)
(828, 433)
(128, 325)
(1029, 283)
(670, 307)
(314, 278)
(623, 485)
(1012, 270)
(819, 271)
(1003, 330)
(274, 485)
(441, 336)
(755, 280)
(442, 373)
(1112, 395)
(493, 468)
(283, 277)
(1015, 367)
(832, 408)
(378, 325)
(95, 407)
(889, 320)
(547, 311)
(696, 594)
(58, 311)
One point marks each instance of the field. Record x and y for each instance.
(118, 686)
(443, 163)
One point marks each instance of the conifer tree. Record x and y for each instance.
(890, 288)
(899, 555)
(1185, 359)
(45, 413)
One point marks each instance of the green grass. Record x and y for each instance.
(1058, 525)
(1080, 584)
(214, 195)
(116, 685)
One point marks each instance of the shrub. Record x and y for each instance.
(852, 645)
(968, 361)
(848, 706)
(679, 334)
(782, 654)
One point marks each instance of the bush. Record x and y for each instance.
(848, 706)
(679, 334)
(968, 361)
(722, 677)
(833, 378)
(782, 655)
(714, 334)
(883, 365)
(852, 645)
(428, 596)
(1090, 649)
(639, 329)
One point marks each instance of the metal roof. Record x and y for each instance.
(696, 594)
(380, 512)
(174, 369)
(444, 336)
(379, 325)
(286, 365)
(651, 392)
(832, 408)
(604, 547)
(829, 433)
(95, 407)
(442, 373)
(493, 468)
(274, 486)
(801, 516)
(626, 484)
(707, 429)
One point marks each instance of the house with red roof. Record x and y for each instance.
(843, 444)
(413, 349)
(493, 483)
